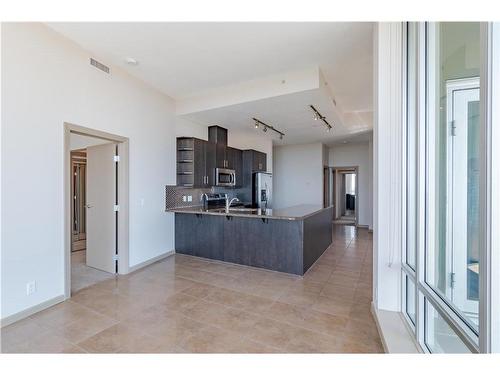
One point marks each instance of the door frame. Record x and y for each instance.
(351, 170)
(123, 198)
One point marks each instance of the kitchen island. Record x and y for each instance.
(287, 240)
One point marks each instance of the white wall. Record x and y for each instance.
(298, 175)
(187, 128)
(357, 155)
(47, 80)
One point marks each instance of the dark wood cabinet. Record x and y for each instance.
(265, 243)
(217, 134)
(195, 163)
(254, 161)
(221, 158)
(237, 248)
(199, 178)
(260, 162)
(210, 162)
(235, 161)
(199, 235)
(197, 160)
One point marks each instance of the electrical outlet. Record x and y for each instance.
(30, 288)
(184, 198)
(190, 198)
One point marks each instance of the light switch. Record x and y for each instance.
(30, 288)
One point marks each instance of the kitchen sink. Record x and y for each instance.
(236, 209)
(244, 209)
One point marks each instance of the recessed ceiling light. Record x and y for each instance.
(131, 61)
(344, 142)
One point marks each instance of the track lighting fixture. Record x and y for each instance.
(265, 127)
(319, 116)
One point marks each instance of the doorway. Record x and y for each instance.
(345, 182)
(96, 207)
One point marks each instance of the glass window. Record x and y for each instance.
(452, 257)
(410, 299)
(439, 337)
(411, 144)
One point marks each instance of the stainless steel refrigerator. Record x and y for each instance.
(262, 190)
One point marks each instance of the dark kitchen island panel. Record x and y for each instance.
(290, 246)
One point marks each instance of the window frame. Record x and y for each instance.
(489, 303)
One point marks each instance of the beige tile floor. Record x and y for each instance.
(190, 305)
(83, 276)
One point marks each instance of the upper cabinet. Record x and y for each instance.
(235, 161)
(197, 160)
(195, 163)
(255, 160)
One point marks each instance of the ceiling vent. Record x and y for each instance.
(99, 65)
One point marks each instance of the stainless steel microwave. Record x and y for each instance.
(225, 177)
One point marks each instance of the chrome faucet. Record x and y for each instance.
(204, 200)
(229, 202)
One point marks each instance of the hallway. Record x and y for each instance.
(190, 305)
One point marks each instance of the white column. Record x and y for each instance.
(387, 163)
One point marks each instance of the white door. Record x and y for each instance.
(101, 200)
(464, 191)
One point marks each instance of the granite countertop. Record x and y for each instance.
(299, 212)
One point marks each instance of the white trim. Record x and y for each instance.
(489, 305)
(4, 322)
(394, 332)
(421, 181)
(151, 261)
(123, 198)
(494, 186)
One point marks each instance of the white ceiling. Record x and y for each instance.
(289, 113)
(185, 59)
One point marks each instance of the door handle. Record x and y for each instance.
(88, 206)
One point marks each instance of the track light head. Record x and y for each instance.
(265, 127)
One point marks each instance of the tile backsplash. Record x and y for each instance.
(174, 194)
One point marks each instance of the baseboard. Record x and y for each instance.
(151, 261)
(4, 322)
(393, 332)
